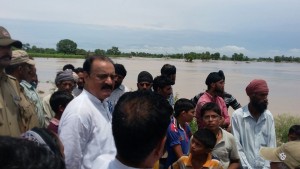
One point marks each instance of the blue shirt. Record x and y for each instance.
(177, 135)
(250, 135)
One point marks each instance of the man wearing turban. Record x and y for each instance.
(253, 126)
(64, 81)
(215, 86)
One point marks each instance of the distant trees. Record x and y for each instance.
(66, 46)
(113, 51)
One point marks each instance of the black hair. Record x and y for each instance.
(161, 82)
(69, 66)
(183, 105)
(78, 70)
(295, 129)
(210, 106)
(140, 121)
(87, 65)
(120, 69)
(168, 70)
(206, 137)
(60, 98)
(17, 153)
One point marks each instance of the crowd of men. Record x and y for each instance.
(92, 120)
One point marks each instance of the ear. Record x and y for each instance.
(61, 108)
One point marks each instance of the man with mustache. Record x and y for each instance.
(85, 126)
(253, 126)
(215, 87)
(15, 113)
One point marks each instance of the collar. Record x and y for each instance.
(248, 114)
(206, 164)
(3, 76)
(28, 85)
(119, 164)
(93, 98)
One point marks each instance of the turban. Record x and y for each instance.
(66, 75)
(145, 76)
(214, 77)
(257, 86)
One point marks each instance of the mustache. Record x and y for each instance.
(106, 86)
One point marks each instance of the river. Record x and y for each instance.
(283, 78)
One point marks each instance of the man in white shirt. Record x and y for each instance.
(119, 88)
(85, 126)
(139, 126)
(253, 126)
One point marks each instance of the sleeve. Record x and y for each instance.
(234, 155)
(236, 134)
(74, 136)
(173, 135)
(234, 103)
(225, 114)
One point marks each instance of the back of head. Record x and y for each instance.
(120, 69)
(183, 105)
(168, 70)
(161, 82)
(210, 106)
(140, 121)
(206, 137)
(68, 67)
(294, 133)
(17, 153)
(60, 98)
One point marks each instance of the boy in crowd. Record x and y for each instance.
(200, 156)
(225, 149)
(179, 131)
(58, 102)
(294, 133)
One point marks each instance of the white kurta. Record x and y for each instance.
(85, 131)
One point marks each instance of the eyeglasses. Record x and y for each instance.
(213, 117)
(105, 76)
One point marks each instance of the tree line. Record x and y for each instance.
(69, 47)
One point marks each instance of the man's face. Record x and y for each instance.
(259, 101)
(189, 115)
(100, 82)
(173, 78)
(144, 86)
(5, 56)
(166, 91)
(25, 72)
(80, 81)
(212, 120)
(219, 87)
(66, 85)
(118, 81)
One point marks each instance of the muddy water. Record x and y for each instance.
(283, 78)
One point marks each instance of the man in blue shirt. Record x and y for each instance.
(253, 126)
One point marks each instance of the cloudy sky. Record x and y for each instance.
(257, 28)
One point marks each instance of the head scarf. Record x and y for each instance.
(214, 77)
(257, 86)
(66, 75)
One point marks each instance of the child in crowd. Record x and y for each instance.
(58, 102)
(294, 133)
(225, 149)
(200, 156)
(179, 131)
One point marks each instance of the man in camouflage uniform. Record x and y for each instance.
(17, 114)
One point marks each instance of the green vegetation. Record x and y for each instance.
(283, 123)
(67, 48)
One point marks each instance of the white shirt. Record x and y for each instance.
(85, 131)
(250, 135)
(116, 94)
(101, 163)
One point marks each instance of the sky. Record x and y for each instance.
(256, 28)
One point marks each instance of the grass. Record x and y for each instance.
(283, 123)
